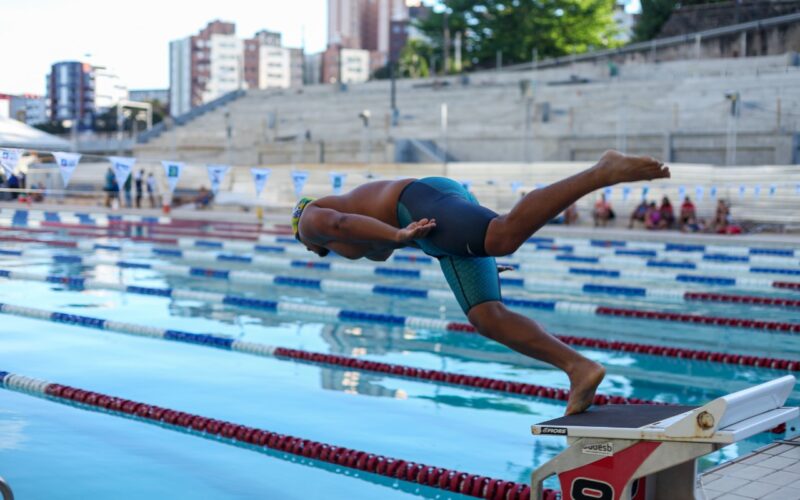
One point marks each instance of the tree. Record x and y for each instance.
(414, 59)
(517, 27)
(654, 14)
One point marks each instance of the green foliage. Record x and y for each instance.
(414, 59)
(517, 27)
(654, 14)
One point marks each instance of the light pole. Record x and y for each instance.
(364, 116)
(444, 135)
(733, 125)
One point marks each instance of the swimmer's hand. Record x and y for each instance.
(501, 268)
(415, 231)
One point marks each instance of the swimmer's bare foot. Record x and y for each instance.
(584, 379)
(617, 167)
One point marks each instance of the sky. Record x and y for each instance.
(133, 37)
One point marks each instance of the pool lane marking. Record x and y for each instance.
(622, 247)
(558, 306)
(712, 262)
(335, 265)
(265, 350)
(265, 441)
(81, 283)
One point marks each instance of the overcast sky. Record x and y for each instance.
(133, 37)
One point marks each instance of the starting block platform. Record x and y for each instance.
(649, 452)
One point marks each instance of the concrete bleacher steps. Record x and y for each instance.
(487, 117)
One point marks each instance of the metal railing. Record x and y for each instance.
(185, 118)
(5, 490)
(656, 44)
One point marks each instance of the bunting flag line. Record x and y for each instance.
(122, 166)
(337, 182)
(260, 177)
(67, 162)
(173, 170)
(215, 175)
(299, 179)
(9, 158)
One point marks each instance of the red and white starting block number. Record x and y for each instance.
(642, 452)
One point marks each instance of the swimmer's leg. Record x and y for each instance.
(507, 232)
(495, 321)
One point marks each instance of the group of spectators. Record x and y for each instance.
(138, 182)
(652, 216)
(15, 187)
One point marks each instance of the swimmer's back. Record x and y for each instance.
(376, 199)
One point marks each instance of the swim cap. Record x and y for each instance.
(297, 212)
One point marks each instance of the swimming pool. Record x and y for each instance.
(398, 313)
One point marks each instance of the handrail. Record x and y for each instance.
(5, 490)
(658, 43)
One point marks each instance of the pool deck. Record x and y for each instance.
(769, 473)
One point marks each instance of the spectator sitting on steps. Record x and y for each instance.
(204, 198)
(638, 214)
(602, 212)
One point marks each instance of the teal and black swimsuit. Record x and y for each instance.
(458, 239)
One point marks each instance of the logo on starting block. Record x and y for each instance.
(557, 431)
(602, 449)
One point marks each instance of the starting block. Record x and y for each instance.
(644, 452)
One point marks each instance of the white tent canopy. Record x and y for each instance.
(14, 134)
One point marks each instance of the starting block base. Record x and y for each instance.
(642, 452)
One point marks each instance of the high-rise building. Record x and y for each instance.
(344, 23)
(367, 25)
(204, 66)
(343, 65)
(296, 67)
(77, 92)
(214, 62)
(27, 108)
(274, 69)
(70, 94)
(312, 72)
(403, 29)
(108, 89)
(267, 64)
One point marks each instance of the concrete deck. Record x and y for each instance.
(769, 473)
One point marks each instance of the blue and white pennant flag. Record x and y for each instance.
(67, 162)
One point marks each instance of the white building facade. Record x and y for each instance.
(354, 66)
(274, 68)
(180, 76)
(108, 89)
(225, 66)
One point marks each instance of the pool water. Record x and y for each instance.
(53, 450)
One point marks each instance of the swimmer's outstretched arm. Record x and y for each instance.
(325, 225)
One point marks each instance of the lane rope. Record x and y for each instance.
(262, 440)
(81, 283)
(265, 350)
